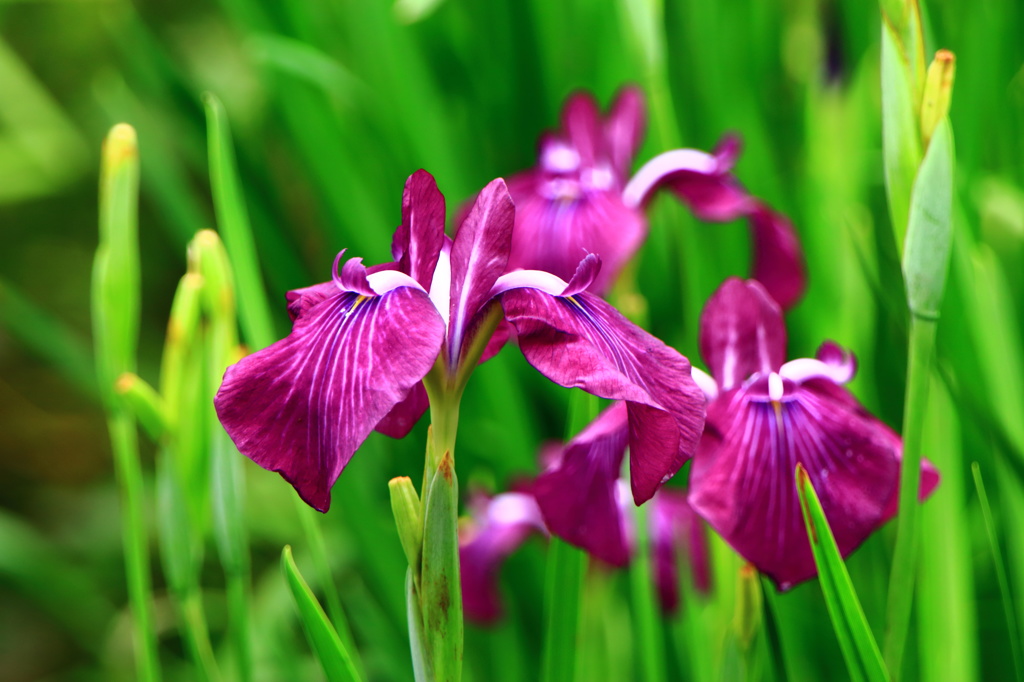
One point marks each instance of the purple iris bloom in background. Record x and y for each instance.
(362, 343)
(499, 525)
(580, 199)
(584, 501)
(766, 416)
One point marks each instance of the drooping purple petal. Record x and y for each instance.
(418, 240)
(403, 416)
(479, 255)
(742, 480)
(581, 341)
(302, 406)
(507, 521)
(353, 276)
(676, 531)
(706, 185)
(553, 232)
(577, 493)
(778, 258)
(624, 129)
(741, 332)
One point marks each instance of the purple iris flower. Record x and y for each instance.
(766, 416)
(499, 525)
(580, 198)
(584, 501)
(362, 343)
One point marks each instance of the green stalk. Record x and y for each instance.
(254, 310)
(563, 589)
(901, 582)
(115, 311)
(652, 648)
(125, 444)
(562, 601)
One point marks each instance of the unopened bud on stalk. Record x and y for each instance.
(144, 402)
(938, 91)
(747, 617)
(207, 256)
(182, 328)
(405, 505)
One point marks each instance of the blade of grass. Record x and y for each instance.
(332, 654)
(1000, 567)
(863, 659)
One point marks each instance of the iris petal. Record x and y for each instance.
(778, 258)
(677, 532)
(742, 477)
(577, 493)
(741, 333)
(479, 256)
(418, 240)
(581, 341)
(624, 129)
(303, 405)
(507, 521)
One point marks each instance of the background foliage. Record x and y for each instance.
(333, 104)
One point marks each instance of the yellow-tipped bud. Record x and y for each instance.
(405, 505)
(747, 617)
(938, 91)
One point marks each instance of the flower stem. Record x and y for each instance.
(648, 626)
(124, 440)
(901, 580)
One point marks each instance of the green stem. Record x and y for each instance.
(562, 598)
(124, 441)
(197, 635)
(652, 648)
(901, 580)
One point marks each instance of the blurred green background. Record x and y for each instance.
(333, 104)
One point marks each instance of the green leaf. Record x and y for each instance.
(440, 589)
(233, 220)
(863, 659)
(930, 230)
(331, 653)
(901, 144)
(1004, 584)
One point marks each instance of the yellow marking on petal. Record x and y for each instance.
(777, 407)
(572, 299)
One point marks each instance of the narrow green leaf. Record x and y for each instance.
(860, 650)
(901, 144)
(331, 653)
(930, 230)
(440, 589)
(1004, 585)
(233, 220)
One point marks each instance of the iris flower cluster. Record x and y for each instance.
(374, 347)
